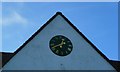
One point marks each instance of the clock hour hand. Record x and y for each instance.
(62, 42)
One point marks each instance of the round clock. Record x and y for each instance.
(61, 45)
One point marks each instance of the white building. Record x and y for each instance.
(58, 45)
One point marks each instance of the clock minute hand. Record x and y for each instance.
(58, 44)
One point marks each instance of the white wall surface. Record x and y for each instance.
(36, 55)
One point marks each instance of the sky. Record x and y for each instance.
(97, 21)
(60, 0)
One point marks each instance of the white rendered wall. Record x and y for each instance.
(36, 55)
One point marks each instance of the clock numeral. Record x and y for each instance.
(51, 44)
(68, 41)
(61, 53)
(60, 37)
(57, 51)
(69, 45)
(53, 49)
(66, 52)
(64, 43)
(53, 40)
(56, 38)
(63, 39)
(69, 49)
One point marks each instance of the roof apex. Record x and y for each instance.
(59, 13)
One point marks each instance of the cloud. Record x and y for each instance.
(14, 18)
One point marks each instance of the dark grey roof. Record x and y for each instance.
(116, 64)
(5, 57)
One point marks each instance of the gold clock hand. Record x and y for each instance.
(62, 44)
(56, 45)
(59, 44)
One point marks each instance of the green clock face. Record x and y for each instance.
(61, 45)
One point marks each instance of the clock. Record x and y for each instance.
(60, 45)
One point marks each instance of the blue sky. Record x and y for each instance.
(97, 21)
